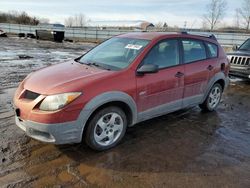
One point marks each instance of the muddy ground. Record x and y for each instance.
(187, 148)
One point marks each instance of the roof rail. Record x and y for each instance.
(184, 32)
(212, 36)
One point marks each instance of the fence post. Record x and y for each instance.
(96, 34)
(85, 30)
(233, 39)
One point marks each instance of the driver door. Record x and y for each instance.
(161, 92)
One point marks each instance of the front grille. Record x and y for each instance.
(30, 95)
(240, 60)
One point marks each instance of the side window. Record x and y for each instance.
(164, 54)
(213, 50)
(194, 50)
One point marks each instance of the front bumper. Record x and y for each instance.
(60, 133)
(242, 72)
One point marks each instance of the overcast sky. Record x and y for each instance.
(174, 12)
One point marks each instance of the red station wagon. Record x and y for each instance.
(125, 80)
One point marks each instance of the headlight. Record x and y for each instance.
(56, 102)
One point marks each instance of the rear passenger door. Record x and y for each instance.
(197, 68)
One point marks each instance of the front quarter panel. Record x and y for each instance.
(105, 98)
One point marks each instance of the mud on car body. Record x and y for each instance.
(125, 80)
(240, 60)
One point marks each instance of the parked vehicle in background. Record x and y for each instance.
(240, 60)
(50, 33)
(125, 80)
(56, 36)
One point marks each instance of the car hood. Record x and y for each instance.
(64, 77)
(240, 53)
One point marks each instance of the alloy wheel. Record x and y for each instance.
(108, 129)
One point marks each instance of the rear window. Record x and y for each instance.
(213, 50)
(194, 50)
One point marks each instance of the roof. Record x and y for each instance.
(156, 35)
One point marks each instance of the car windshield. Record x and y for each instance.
(115, 53)
(245, 46)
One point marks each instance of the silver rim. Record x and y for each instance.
(108, 129)
(214, 97)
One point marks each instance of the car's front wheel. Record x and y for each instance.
(106, 128)
(213, 98)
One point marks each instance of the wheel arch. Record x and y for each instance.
(114, 98)
(217, 78)
(222, 83)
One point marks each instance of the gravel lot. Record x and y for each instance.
(187, 148)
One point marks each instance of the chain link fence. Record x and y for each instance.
(99, 34)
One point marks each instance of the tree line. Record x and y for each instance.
(16, 17)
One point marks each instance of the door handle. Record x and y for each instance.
(179, 74)
(210, 67)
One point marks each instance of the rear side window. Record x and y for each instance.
(164, 54)
(213, 50)
(194, 50)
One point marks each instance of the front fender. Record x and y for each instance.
(104, 98)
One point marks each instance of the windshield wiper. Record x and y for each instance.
(97, 65)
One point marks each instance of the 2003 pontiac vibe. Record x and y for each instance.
(125, 80)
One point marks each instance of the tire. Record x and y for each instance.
(213, 98)
(106, 128)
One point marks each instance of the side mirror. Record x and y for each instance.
(147, 69)
(235, 48)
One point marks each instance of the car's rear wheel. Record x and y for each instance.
(213, 98)
(106, 128)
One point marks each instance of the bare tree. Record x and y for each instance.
(34, 21)
(165, 25)
(245, 13)
(237, 18)
(215, 12)
(159, 25)
(23, 18)
(78, 20)
(18, 18)
(68, 22)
